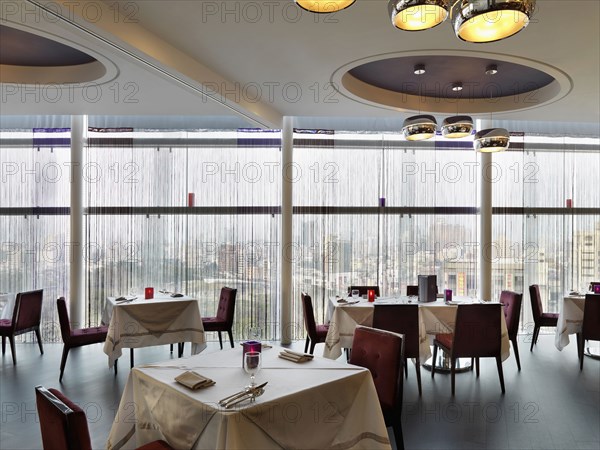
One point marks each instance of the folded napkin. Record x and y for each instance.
(295, 356)
(194, 380)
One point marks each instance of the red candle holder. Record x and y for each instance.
(250, 346)
(149, 293)
(371, 295)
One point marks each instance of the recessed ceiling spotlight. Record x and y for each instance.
(419, 69)
(492, 69)
(457, 87)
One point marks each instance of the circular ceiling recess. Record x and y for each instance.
(30, 58)
(451, 81)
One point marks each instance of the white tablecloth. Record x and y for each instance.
(143, 323)
(570, 319)
(318, 404)
(8, 300)
(435, 317)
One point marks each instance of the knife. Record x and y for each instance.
(226, 400)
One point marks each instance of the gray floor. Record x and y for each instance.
(550, 404)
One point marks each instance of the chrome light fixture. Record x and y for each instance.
(457, 127)
(491, 140)
(324, 6)
(419, 128)
(416, 15)
(490, 20)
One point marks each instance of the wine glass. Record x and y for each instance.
(254, 333)
(252, 363)
(355, 293)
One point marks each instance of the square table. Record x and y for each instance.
(570, 319)
(314, 405)
(158, 321)
(8, 299)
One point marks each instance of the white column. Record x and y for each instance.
(76, 290)
(287, 177)
(485, 221)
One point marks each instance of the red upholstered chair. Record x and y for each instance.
(64, 425)
(75, 337)
(590, 329)
(26, 317)
(402, 319)
(477, 334)
(412, 290)
(315, 334)
(382, 353)
(364, 290)
(512, 312)
(223, 321)
(540, 318)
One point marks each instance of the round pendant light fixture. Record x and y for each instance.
(490, 20)
(491, 140)
(416, 15)
(457, 127)
(419, 128)
(324, 6)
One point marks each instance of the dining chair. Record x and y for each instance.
(26, 317)
(77, 337)
(512, 311)
(477, 334)
(364, 290)
(540, 318)
(412, 290)
(402, 319)
(223, 321)
(381, 352)
(64, 425)
(590, 329)
(315, 334)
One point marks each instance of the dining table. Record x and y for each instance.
(136, 322)
(315, 404)
(434, 317)
(570, 321)
(8, 300)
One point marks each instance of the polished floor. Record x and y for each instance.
(550, 404)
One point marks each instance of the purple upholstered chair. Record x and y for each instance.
(477, 334)
(512, 312)
(75, 337)
(590, 329)
(223, 321)
(402, 319)
(315, 334)
(540, 318)
(64, 424)
(364, 290)
(382, 353)
(26, 317)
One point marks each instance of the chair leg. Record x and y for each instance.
(534, 337)
(433, 360)
(39, 339)
(578, 339)
(115, 366)
(171, 348)
(406, 368)
(398, 435)
(418, 370)
(312, 347)
(306, 345)
(131, 356)
(477, 367)
(581, 345)
(230, 337)
(453, 373)
(11, 339)
(180, 348)
(3, 344)
(537, 335)
(516, 349)
(63, 361)
(220, 340)
(500, 373)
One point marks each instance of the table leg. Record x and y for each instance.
(442, 363)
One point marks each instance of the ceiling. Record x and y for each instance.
(258, 61)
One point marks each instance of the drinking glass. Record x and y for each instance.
(254, 333)
(355, 293)
(252, 363)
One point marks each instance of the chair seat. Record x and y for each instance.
(445, 339)
(548, 320)
(214, 324)
(85, 336)
(5, 324)
(322, 331)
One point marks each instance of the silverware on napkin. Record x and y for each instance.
(240, 394)
(250, 395)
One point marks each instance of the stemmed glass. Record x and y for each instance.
(355, 293)
(252, 364)
(254, 333)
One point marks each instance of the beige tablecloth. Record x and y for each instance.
(570, 319)
(144, 323)
(318, 404)
(434, 317)
(7, 300)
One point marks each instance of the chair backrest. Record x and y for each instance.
(591, 317)
(382, 353)
(28, 310)
(401, 319)
(536, 302)
(309, 316)
(477, 331)
(63, 318)
(363, 290)
(512, 311)
(63, 424)
(226, 308)
(412, 290)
